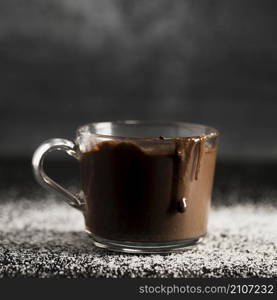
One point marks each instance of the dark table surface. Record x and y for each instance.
(40, 236)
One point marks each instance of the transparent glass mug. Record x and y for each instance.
(146, 186)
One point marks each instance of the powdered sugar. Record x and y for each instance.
(46, 239)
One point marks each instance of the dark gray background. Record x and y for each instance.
(64, 63)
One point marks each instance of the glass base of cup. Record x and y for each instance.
(145, 247)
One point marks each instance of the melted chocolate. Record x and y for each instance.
(188, 155)
(137, 195)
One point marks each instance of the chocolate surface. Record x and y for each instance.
(153, 196)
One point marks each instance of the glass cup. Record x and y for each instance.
(145, 186)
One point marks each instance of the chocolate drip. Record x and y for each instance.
(188, 156)
(198, 149)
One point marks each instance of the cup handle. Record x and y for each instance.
(38, 158)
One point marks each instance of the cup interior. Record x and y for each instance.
(143, 129)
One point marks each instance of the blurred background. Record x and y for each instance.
(65, 63)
